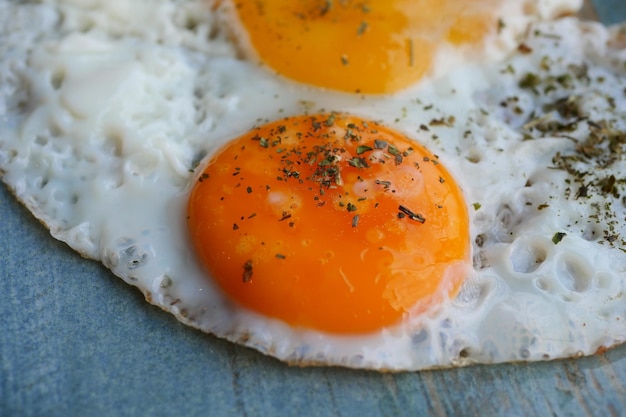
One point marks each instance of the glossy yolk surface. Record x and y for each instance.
(330, 222)
(368, 46)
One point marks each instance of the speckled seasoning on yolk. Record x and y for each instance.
(330, 222)
(368, 46)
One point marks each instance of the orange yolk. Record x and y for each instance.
(368, 46)
(330, 222)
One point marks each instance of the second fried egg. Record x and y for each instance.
(383, 46)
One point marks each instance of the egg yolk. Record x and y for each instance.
(330, 222)
(367, 46)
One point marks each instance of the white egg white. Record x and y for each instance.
(104, 117)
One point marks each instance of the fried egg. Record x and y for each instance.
(380, 46)
(475, 215)
(320, 221)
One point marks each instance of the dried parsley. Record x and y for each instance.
(247, 271)
(362, 28)
(413, 216)
(355, 221)
(558, 236)
(358, 162)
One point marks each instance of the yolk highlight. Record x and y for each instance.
(330, 222)
(367, 46)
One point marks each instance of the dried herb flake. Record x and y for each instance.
(558, 236)
(247, 271)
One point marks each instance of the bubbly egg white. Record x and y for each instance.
(104, 117)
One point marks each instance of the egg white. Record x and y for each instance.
(103, 121)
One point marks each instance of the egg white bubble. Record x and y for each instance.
(103, 120)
